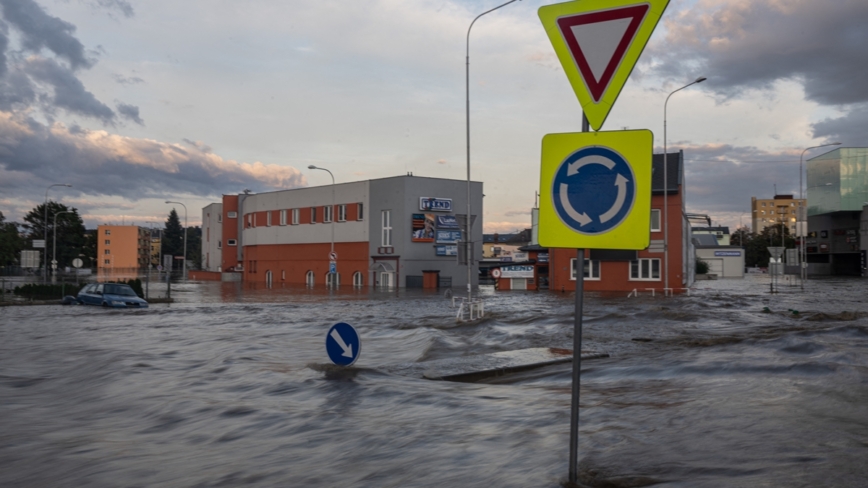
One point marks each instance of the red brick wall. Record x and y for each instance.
(297, 259)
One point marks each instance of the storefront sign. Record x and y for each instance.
(516, 271)
(448, 236)
(423, 228)
(446, 250)
(447, 222)
(728, 253)
(435, 204)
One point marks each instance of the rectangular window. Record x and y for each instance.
(327, 213)
(655, 220)
(361, 211)
(313, 215)
(107, 251)
(268, 219)
(108, 232)
(342, 213)
(220, 244)
(219, 218)
(231, 242)
(108, 242)
(231, 215)
(107, 261)
(249, 220)
(295, 213)
(591, 272)
(283, 217)
(386, 240)
(645, 270)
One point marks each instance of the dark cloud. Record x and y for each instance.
(69, 92)
(744, 44)
(130, 112)
(33, 156)
(40, 30)
(850, 129)
(4, 44)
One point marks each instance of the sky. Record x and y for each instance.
(136, 102)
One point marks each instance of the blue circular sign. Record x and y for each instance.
(593, 190)
(343, 344)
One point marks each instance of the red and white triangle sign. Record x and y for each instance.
(599, 41)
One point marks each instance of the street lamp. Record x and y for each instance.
(467, 242)
(666, 187)
(332, 211)
(184, 269)
(803, 212)
(45, 226)
(54, 252)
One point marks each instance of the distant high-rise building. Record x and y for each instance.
(774, 211)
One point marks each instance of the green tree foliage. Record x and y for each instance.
(70, 231)
(194, 247)
(173, 238)
(756, 245)
(11, 242)
(701, 266)
(89, 249)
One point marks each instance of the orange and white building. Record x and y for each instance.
(122, 249)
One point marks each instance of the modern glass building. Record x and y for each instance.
(838, 181)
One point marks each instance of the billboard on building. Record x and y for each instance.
(423, 228)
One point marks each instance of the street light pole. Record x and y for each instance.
(467, 242)
(184, 262)
(666, 187)
(332, 212)
(45, 228)
(804, 213)
(54, 252)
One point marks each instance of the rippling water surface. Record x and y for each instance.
(231, 387)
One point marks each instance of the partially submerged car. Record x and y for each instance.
(110, 295)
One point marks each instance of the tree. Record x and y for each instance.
(194, 247)
(11, 242)
(173, 237)
(70, 231)
(89, 249)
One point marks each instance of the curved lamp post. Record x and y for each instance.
(332, 211)
(54, 252)
(802, 248)
(184, 263)
(666, 187)
(45, 227)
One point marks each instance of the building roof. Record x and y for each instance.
(725, 230)
(673, 172)
(705, 240)
(515, 238)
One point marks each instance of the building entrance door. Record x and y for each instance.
(387, 280)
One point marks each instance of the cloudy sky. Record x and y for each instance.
(134, 102)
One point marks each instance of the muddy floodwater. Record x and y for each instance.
(231, 387)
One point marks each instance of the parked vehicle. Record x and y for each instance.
(110, 295)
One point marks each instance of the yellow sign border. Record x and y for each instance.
(596, 112)
(634, 232)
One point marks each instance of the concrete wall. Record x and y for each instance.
(732, 266)
(212, 237)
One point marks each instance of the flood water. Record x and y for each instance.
(230, 387)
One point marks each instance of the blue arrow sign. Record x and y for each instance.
(593, 190)
(343, 344)
(333, 267)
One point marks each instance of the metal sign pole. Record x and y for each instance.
(577, 354)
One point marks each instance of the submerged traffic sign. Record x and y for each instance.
(343, 344)
(598, 43)
(595, 190)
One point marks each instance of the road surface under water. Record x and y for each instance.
(231, 387)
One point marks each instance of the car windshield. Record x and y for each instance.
(122, 290)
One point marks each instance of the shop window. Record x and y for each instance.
(591, 272)
(645, 270)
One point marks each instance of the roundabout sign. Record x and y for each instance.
(595, 190)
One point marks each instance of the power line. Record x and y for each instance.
(740, 161)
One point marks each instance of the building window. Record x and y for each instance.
(219, 218)
(357, 278)
(764, 204)
(231, 242)
(645, 270)
(313, 215)
(386, 238)
(361, 211)
(283, 217)
(220, 244)
(107, 261)
(249, 220)
(283, 275)
(655, 220)
(342, 213)
(295, 216)
(592, 269)
(327, 213)
(231, 215)
(107, 251)
(268, 219)
(108, 232)
(108, 242)
(309, 278)
(333, 280)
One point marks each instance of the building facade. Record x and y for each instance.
(122, 249)
(772, 212)
(837, 239)
(391, 232)
(721, 234)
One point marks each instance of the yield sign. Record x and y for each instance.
(598, 42)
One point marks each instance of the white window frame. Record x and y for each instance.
(283, 217)
(333, 280)
(342, 213)
(591, 265)
(655, 211)
(641, 270)
(231, 215)
(328, 214)
(295, 216)
(357, 279)
(268, 218)
(361, 215)
(219, 218)
(108, 232)
(231, 242)
(310, 278)
(386, 234)
(220, 244)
